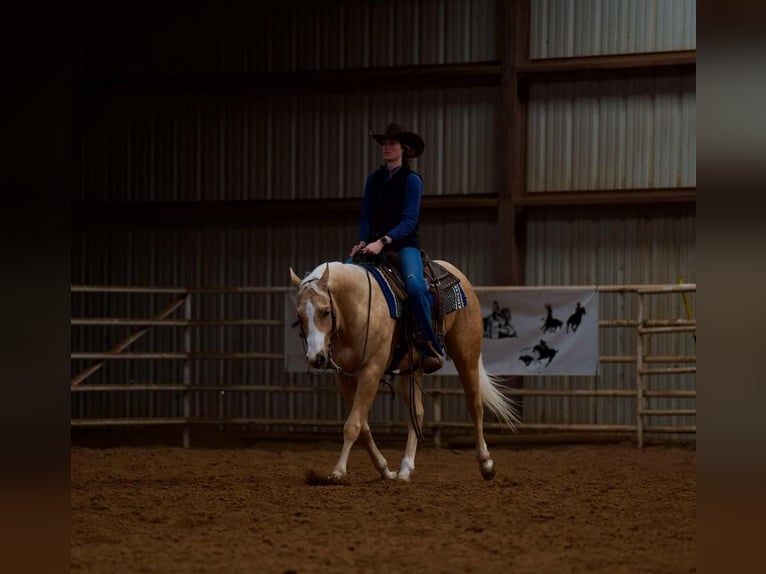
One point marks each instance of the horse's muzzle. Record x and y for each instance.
(319, 361)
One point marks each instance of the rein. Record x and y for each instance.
(334, 335)
(413, 409)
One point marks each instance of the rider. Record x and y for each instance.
(389, 219)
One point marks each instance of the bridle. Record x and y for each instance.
(334, 330)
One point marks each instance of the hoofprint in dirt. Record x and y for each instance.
(611, 508)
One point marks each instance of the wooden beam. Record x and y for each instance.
(521, 58)
(522, 28)
(488, 73)
(181, 212)
(91, 321)
(652, 60)
(179, 356)
(506, 204)
(608, 197)
(349, 80)
(510, 222)
(177, 290)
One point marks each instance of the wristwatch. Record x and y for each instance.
(385, 240)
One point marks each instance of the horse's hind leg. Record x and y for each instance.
(408, 462)
(468, 367)
(355, 428)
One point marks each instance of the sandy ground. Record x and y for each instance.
(596, 508)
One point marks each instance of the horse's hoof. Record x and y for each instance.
(313, 479)
(406, 468)
(487, 469)
(334, 480)
(389, 474)
(403, 477)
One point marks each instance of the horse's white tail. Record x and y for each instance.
(503, 407)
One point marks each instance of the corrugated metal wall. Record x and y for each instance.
(613, 134)
(567, 28)
(235, 147)
(626, 245)
(623, 245)
(219, 39)
(259, 254)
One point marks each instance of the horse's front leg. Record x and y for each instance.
(378, 460)
(360, 396)
(408, 462)
(348, 390)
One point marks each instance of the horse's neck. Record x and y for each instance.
(351, 294)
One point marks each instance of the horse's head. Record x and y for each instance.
(316, 314)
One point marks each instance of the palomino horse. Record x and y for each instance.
(346, 322)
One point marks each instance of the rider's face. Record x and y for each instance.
(392, 150)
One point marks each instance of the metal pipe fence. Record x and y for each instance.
(644, 361)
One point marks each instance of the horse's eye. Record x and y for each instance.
(326, 313)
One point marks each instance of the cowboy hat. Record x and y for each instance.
(398, 132)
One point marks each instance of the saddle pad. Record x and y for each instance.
(453, 298)
(394, 305)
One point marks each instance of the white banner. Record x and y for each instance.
(540, 331)
(521, 335)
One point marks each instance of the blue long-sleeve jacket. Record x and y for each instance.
(413, 190)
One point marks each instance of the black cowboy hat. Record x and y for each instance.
(404, 136)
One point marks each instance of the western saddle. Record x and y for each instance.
(438, 280)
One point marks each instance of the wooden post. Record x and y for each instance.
(639, 374)
(513, 47)
(186, 371)
(514, 53)
(438, 419)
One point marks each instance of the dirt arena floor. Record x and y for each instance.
(589, 508)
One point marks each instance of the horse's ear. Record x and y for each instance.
(294, 278)
(325, 278)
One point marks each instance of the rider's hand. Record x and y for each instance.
(355, 249)
(373, 248)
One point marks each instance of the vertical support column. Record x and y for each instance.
(438, 419)
(186, 374)
(513, 52)
(639, 375)
(513, 49)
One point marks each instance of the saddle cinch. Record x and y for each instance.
(443, 285)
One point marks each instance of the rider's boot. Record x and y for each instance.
(430, 359)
